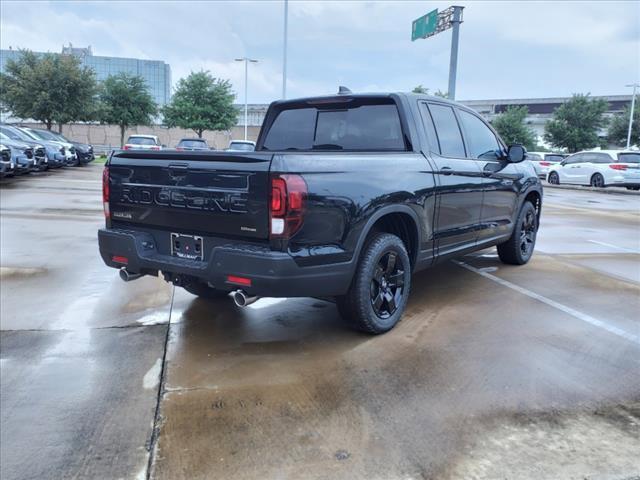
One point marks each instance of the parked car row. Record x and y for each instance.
(599, 168)
(24, 150)
(152, 142)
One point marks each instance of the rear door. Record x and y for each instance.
(458, 182)
(204, 193)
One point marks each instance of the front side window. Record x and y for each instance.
(448, 131)
(481, 141)
(578, 158)
(368, 127)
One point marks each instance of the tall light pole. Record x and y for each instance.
(453, 61)
(633, 104)
(284, 52)
(246, 61)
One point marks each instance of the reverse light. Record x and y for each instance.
(286, 207)
(105, 192)
(617, 166)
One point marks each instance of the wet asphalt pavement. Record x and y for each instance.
(496, 372)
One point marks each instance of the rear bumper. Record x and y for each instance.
(272, 273)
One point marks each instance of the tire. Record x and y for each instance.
(519, 248)
(554, 179)
(597, 180)
(633, 188)
(203, 290)
(380, 287)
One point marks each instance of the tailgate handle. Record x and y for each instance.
(178, 170)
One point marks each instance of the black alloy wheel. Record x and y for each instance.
(528, 233)
(387, 285)
(554, 179)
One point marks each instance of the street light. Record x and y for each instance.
(633, 104)
(246, 61)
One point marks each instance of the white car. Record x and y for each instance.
(601, 168)
(542, 161)
(241, 146)
(142, 142)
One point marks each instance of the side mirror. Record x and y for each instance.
(516, 153)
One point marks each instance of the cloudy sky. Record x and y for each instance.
(507, 49)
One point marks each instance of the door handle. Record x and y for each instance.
(446, 170)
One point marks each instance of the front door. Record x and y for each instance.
(500, 178)
(458, 181)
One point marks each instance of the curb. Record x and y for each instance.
(608, 190)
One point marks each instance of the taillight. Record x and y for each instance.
(179, 149)
(545, 164)
(286, 208)
(617, 166)
(155, 148)
(105, 192)
(126, 147)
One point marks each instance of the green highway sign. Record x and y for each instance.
(425, 25)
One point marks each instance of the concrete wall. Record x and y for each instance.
(108, 136)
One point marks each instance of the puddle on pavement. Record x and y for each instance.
(21, 272)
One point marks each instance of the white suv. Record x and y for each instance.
(142, 142)
(543, 161)
(601, 168)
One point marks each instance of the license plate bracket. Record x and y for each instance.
(186, 246)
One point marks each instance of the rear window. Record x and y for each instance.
(554, 158)
(358, 127)
(245, 147)
(629, 157)
(141, 141)
(192, 143)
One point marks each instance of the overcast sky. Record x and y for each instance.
(507, 49)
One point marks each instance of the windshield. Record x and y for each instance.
(141, 141)
(59, 136)
(14, 134)
(193, 144)
(629, 157)
(42, 134)
(364, 127)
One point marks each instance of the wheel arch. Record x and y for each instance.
(399, 220)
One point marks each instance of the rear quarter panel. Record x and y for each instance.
(347, 190)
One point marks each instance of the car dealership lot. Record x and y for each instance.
(495, 371)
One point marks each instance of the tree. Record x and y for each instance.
(619, 127)
(576, 123)
(125, 102)
(512, 128)
(425, 91)
(49, 88)
(201, 102)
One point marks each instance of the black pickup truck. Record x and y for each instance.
(344, 197)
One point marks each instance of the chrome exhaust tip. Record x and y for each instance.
(241, 299)
(127, 276)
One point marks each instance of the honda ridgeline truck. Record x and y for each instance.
(344, 197)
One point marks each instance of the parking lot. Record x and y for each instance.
(495, 371)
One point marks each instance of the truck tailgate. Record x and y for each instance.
(206, 193)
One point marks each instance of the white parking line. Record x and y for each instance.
(552, 303)
(622, 249)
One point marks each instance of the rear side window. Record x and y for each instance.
(629, 157)
(481, 141)
(363, 128)
(448, 131)
(578, 158)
